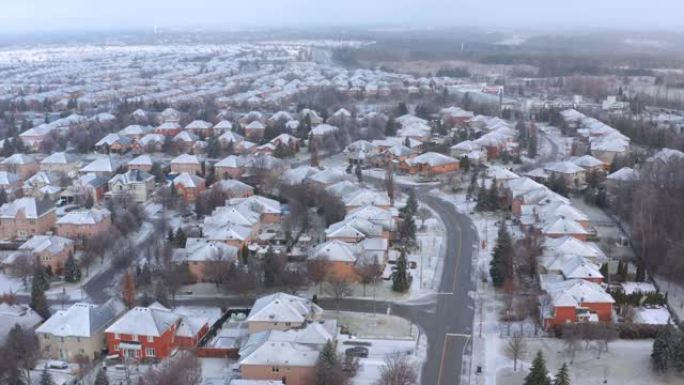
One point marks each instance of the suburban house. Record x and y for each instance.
(189, 186)
(61, 162)
(25, 217)
(255, 130)
(340, 258)
(41, 183)
(430, 163)
(203, 255)
(51, 251)
(233, 188)
(84, 224)
(22, 315)
(575, 300)
(281, 311)
(9, 181)
(565, 227)
(186, 163)
(102, 166)
(230, 167)
(571, 174)
(20, 164)
(170, 128)
(115, 143)
(136, 183)
(78, 331)
(143, 162)
(153, 332)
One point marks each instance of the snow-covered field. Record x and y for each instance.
(627, 362)
(364, 325)
(371, 367)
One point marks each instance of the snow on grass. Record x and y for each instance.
(369, 325)
(627, 362)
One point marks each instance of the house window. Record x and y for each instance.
(78, 339)
(288, 323)
(46, 336)
(116, 336)
(115, 348)
(149, 352)
(275, 369)
(134, 337)
(150, 339)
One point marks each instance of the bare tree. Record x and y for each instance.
(23, 346)
(571, 339)
(181, 369)
(339, 288)
(389, 181)
(516, 348)
(22, 267)
(398, 371)
(317, 269)
(368, 272)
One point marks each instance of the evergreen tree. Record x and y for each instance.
(101, 378)
(329, 370)
(465, 163)
(532, 146)
(661, 356)
(38, 299)
(390, 127)
(678, 354)
(481, 198)
(640, 273)
(411, 203)
(128, 290)
(359, 173)
(562, 377)
(180, 238)
(3, 196)
(46, 378)
(401, 280)
(170, 236)
(500, 266)
(493, 196)
(72, 273)
(402, 109)
(213, 148)
(244, 255)
(538, 375)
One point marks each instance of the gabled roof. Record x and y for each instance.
(145, 321)
(110, 139)
(142, 160)
(198, 125)
(282, 353)
(624, 174)
(204, 250)
(563, 167)
(432, 159)
(231, 161)
(8, 178)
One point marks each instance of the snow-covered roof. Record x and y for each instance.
(82, 319)
(131, 176)
(336, 251)
(60, 158)
(564, 167)
(624, 174)
(18, 159)
(102, 164)
(188, 180)
(8, 178)
(142, 160)
(565, 226)
(31, 207)
(432, 159)
(282, 307)
(185, 159)
(145, 321)
(87, 217)
(11, 315)
(52, 244)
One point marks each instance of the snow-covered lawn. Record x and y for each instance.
(627, 362)
(365, 325)
(371, 367)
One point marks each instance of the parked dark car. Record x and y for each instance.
(357, 351)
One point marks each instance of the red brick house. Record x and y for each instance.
(21, 164)
(189, 186)
(152, 333)
(430, 163)
(231, 167)
(51, 251)
(576, 300)
(171, 128)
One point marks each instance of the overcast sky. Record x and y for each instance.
(41, 15)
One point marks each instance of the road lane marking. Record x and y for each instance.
(444, 349)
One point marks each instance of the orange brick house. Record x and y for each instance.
(201, 255)
(189, 186)
(340, 259)
(150, 333)
(430, 163)
(576, 300)
(25, 217)
(231, 167)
